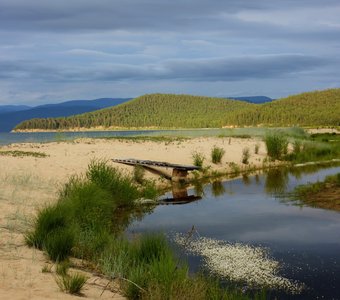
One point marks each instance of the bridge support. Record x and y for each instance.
(179, 175)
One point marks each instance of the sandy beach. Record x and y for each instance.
(28, 183)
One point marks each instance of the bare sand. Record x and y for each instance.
(28, 183)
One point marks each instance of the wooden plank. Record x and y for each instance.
(132, 161)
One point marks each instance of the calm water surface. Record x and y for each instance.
(37, 137)
(255, 211)
(42, 137)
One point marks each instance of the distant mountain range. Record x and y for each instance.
(253, 99)
(11, 115)
(12, 108)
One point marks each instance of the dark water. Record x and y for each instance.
(255, 211)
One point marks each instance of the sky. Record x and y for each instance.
(52, 51)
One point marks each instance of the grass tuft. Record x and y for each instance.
(19, 153)
(138, 174)
(71, 284)
(217, 154)
(245, 155)
(277, 145)
(198, 159)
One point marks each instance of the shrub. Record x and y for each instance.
(217, 154)
(198, 158)
(245, 155)
(71, 284)
(276, 145)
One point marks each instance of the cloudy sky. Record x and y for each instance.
(52, 51)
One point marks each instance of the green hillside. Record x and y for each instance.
(156, 110)
(319, 108)
(312, 108)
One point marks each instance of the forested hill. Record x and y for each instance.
(312, 108)
(185, 111)
(156, 110)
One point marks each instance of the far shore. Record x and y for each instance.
(310, 129)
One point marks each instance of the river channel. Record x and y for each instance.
(257, 211)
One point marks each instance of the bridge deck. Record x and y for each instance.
(132, 161)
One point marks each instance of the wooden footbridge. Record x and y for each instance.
(179, 172)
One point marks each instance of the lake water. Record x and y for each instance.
(255, 211)
(42, 137)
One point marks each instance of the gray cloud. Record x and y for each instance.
(82, 47)
(134, 14)
(222, 69)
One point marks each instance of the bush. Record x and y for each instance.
(198, 159)
(217, 154)
(245, 155)
(277, 145)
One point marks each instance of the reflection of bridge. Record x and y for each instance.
(179, 172)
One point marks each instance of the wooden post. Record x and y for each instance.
(179, 175)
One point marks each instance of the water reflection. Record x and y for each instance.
(276, 181)
(246, 179)
(199, 188)
(217, 188)
(180, 195)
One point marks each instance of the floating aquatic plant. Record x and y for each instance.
(239, 263)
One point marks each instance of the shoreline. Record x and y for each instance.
(309, 129)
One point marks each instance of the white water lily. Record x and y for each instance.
(239, 262)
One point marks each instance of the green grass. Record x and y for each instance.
(146, 138)
(217, 154)
(88, 222)
(276, 144)
(138, 174)
(71, 284)
(198, 159)
(309, 151)
(19, 153)
(303, 191)
(245, 155)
